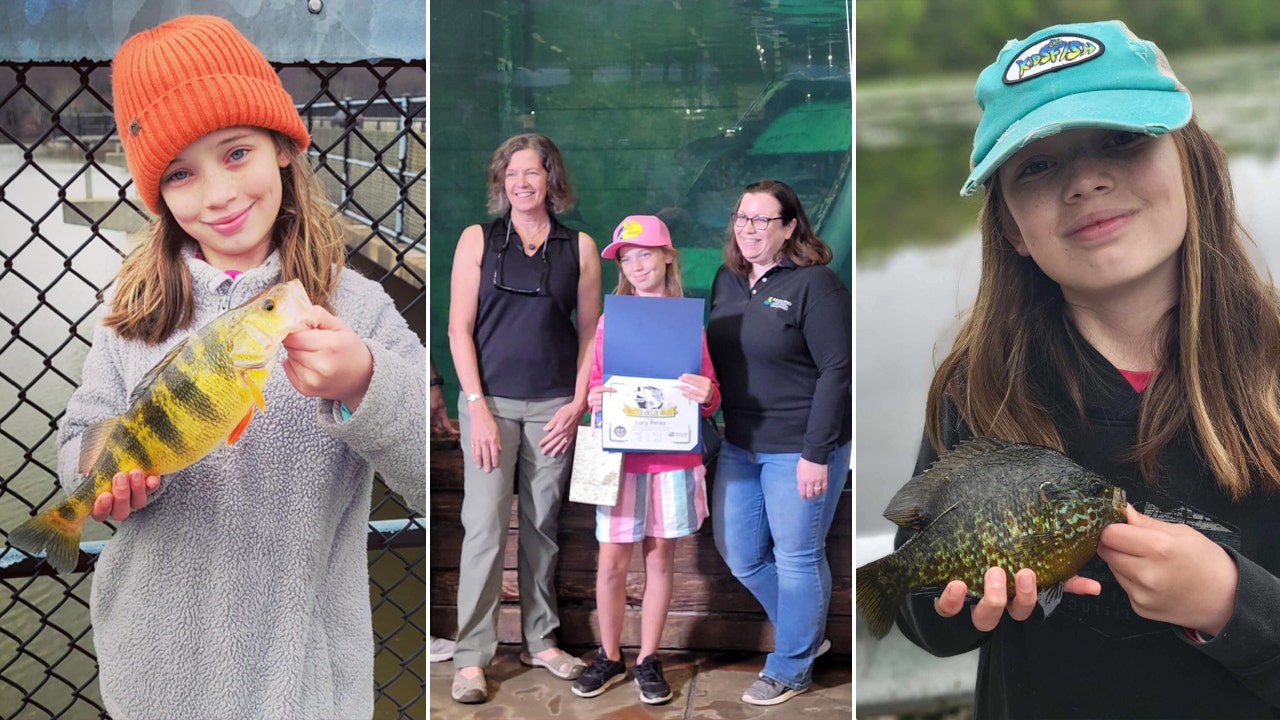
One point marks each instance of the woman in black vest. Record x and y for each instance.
(524, 301)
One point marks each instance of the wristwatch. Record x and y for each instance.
(437, 381)
(472, 397)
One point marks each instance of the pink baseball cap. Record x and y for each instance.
(642, 230)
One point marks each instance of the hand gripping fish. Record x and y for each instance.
(202, 393)
(990, 503)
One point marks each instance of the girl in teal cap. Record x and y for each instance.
(1119, 319)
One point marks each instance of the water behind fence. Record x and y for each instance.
(65, 207)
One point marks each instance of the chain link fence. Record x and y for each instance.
(66, 207)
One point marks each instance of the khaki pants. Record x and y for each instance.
(486, 511)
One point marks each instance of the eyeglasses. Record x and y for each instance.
(499, 276)
(760, 222)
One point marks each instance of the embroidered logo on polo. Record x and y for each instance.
(1050, 54)
(777, 303)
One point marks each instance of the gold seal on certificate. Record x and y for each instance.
(648, 415)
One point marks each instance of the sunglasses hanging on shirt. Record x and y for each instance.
(499, 276)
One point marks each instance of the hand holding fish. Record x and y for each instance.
(985, 505)
(128, 492)
(203, 393)
(811, 478)
(995, 597)
(328, 360)
(1172, 572)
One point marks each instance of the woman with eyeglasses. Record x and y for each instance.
(523, 306)
(779, 335)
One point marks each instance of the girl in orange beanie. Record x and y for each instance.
(252, 563)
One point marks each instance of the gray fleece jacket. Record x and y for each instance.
(242, 589)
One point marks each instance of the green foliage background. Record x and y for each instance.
(912, 37)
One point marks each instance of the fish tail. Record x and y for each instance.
(879, 592)
(56, 532)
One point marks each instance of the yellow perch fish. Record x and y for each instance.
(203, 392)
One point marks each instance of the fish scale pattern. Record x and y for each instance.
(989, 503)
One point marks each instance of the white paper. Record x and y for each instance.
(648, 415)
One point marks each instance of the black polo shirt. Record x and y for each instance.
(783, 355)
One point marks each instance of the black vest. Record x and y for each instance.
(527, 344)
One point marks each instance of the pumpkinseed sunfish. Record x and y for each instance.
(989, 503)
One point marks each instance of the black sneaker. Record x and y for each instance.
(654, 689)
(599, 676)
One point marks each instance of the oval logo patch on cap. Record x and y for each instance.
(1052, 53)
(629, 229)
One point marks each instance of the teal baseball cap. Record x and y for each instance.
(1072, 76)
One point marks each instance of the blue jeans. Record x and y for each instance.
(775, 542)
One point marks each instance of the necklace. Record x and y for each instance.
(541, 235)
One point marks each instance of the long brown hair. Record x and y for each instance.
(1217, 376)
(804, 247)
(560, 196)
(153, 294)
(672, 285)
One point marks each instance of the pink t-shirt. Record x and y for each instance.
(657, 462)
(1138, 379)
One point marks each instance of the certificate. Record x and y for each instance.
(648, 415)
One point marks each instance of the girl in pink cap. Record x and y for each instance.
(662, 497)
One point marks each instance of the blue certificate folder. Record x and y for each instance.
(652, 337)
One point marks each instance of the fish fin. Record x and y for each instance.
(256, 389)
(147, 380)
(912, 506)
(92, 441)
(879, 594)
(1049, 598)
(56, 533)
(917, 504)
(240, 426)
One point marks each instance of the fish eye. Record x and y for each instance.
(1096, 487)
(269, 305)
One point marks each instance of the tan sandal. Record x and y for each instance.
(469, 690)
(563, 666)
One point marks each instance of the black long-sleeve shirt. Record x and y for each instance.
(1094, 657)
(783, 354)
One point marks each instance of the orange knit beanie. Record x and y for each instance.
(185, 78)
